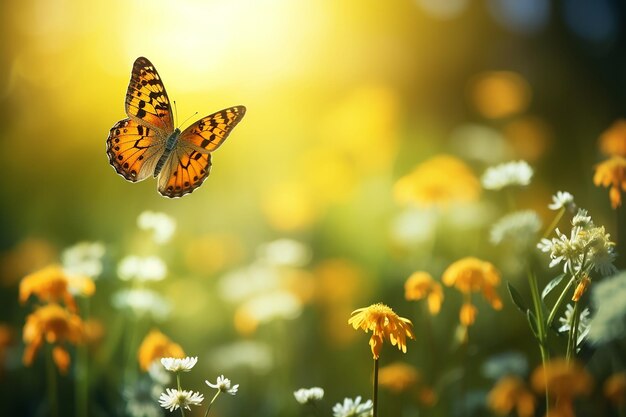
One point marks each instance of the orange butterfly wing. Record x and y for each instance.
(190, 162)
(134, 149)
(146, 99)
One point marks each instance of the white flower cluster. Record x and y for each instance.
(587, 245)
(519, 227)
(609, 320)
(504, 175)
(143, 269)
(308, 395)
(84, 258)
(162, 225)
(583, 323)
(353, 408)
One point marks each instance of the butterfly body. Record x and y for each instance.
(147, 144)
(170, 144)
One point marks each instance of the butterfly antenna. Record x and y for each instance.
(188, 118)
(175, 112)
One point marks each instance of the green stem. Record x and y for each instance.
(573, 332)
(375, 388)
(82, 368)
(52, 384)
(182, 409)
(556, 221)
(211, 403)
(541, 327)
(560, 300)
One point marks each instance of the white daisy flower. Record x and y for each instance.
(353, 408)
(174, 399)
(149, 268)
(179, 365)
(562, 199)
(510, 173)
(224, 385)
(519, 227)
(162, 225)
(158, 374)
(583, 324)
(308, 395)
(84, 258)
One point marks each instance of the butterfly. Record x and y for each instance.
(147, 143)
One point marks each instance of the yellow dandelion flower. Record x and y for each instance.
(384, 324)
(438, 181)
(398, 377)
(422, 285)
(55, 325)
(470, 275)
(510, 393)
(50, 285)
(156, 346)
(564, 381)
(613, 140)
(612, 172)
(615, 389)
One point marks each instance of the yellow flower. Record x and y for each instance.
(384, 324)
(50, 285)
(55, 325)
(564, 381)
(612, 172)
(422, 285)
(472, 275)
(156, 346)
(615, 389)
(613, 140)
(510, 393)
(499, 94)
(439, 181)
(398, 377)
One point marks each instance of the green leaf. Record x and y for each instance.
(551, 286)
(532, 322)
(517, 298)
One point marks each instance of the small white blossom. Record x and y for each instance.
(142, 301)
(224, 385)
(284, 252)
(562, 199)
(158, 374)
(308, 395)
(353, 408)
(257, 356)
(84, 258)
(140, 399)
(149, 268)
(178, 364)
(519, 227)
(583, 323)
(509, 173)
(609, 320)
(174, 399)
(162, 225)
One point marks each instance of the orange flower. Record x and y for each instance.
(612, 172)
(156, 346)
(398, 377)
(50, 285)
(422, 285)
(472, 275)
(384, 324)
(613, 140)
(511, 393)
(439, 181)
(581, 288)
(564, 381)
(55, 325)
(615, 389)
